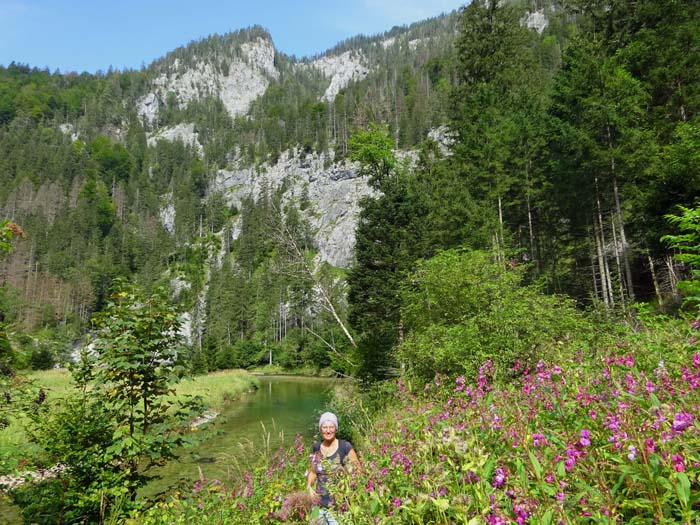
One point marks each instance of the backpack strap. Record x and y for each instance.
(344, 448)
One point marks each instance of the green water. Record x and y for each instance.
(245, 433)
(251, 429)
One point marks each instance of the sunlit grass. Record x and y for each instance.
(56, 383)
(219, 388)
(216, 390)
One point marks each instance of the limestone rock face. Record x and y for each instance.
(183, 132)
(536, 20)
(333, 192)
(237, 85)
(341, 69)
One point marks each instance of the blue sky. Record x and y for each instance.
(91, 35)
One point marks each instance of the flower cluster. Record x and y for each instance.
(605, 440)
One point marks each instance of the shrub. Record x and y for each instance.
(462, 308)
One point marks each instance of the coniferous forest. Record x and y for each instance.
(532, 200)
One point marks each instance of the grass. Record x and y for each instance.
(216, 389)
(219, 388)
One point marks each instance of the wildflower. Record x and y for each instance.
(695, 324)
(632, 452)
(472, 477)
(681, 421)
(678, 463)
(650, 446)
(499, 478)
(539, 440)
(396, 502)
(585, 437)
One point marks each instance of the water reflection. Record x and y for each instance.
(249, 429)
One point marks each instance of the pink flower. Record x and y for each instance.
(539, 440)
(681, 421)
(499, 478)
(678, 463)
(585, 437)
(650, 446)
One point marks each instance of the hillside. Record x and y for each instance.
(226, 168)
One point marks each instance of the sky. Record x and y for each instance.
(92, 35)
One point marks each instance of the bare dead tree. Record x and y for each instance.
(286, 238)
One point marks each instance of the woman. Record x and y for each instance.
(328, 456)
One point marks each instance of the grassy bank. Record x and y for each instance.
(18, 453)
(611, 435)
(219, 388)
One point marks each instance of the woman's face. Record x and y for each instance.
(328, 431)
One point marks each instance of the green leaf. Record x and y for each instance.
(546, 518)
(683, 489)
(535, 464)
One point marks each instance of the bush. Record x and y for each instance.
(462, 308)
(42, 358)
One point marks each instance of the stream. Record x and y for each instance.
(247, 430)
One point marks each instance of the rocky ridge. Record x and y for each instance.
(245, 78)
(333, 190)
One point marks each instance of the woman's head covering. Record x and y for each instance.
(328, 416)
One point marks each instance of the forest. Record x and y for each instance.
(534, 202)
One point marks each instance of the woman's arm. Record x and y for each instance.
(311, 484)
(352, 455)
(311, 480)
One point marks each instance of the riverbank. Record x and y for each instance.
(21, 458)
(276, 370)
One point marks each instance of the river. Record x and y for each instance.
(246, 431)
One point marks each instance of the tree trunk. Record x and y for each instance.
(657, 288)
(600, 246)
(601, 264)
(618, 211)
(618, 264)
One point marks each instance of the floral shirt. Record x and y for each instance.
(323, 467)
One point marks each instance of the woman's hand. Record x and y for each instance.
(314, 495)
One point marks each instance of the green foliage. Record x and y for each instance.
(462, 308)
(122, 420)
(604, 439)
(42, 358)
(688, 244)
(372, 149)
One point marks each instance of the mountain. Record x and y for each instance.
(559, 135)
(131, 173)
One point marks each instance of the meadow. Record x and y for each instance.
(18, 453)
(604, 435)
